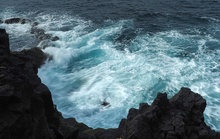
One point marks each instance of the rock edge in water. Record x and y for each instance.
(27, 110)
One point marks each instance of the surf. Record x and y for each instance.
(121, 65)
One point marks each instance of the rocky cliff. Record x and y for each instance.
(27, 110)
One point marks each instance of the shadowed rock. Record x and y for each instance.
(41, 35)
(22, 110)
(38, 55)
(55, 38)
(105, 104)
(27, 110)
(181, 117)
(16, 20)
(26, 106)
(4, 43)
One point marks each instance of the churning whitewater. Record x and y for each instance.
(118, 63)
(88, 69)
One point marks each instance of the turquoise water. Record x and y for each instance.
(122, 60)
(88, 69)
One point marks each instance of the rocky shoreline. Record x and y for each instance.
(27, 110)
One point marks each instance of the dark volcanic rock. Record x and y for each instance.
(4, 43)
(16, 20)
(181, 117)
(41, 35)
(70, 128)
(27, 110)
(26, 106)
(38, 56)
(55, 38)
(23, 112)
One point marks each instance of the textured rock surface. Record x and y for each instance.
(26, 107)
(181, 117)
(4, 43)
(40, 34)
(27, 110)
(22, 111)
(16, 20)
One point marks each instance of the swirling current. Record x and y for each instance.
(122, 52)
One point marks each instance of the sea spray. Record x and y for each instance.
(94, 70)
(91, 65)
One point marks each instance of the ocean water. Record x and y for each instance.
(122, 52)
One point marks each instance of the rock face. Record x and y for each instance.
(26, 107)
(4, 43)
(36, 56)
(181, 117)
(27, 110)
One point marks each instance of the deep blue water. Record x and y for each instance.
(123, 52)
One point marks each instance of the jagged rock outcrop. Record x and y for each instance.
(4, 43)
(180, 117)
(26, 107)
(35, 54)
(27, 110)
(40, 34)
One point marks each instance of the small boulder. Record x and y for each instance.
(35, 24)
(16, 20)
(55, 38)
(104, 103)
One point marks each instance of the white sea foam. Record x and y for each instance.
(87, 69)
(158, 63)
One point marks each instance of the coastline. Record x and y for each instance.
(27, 109)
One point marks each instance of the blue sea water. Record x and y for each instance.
(123, 52)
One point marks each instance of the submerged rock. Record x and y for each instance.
(55, 38)
(105, 103)
(124, 39)
(41, 34)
